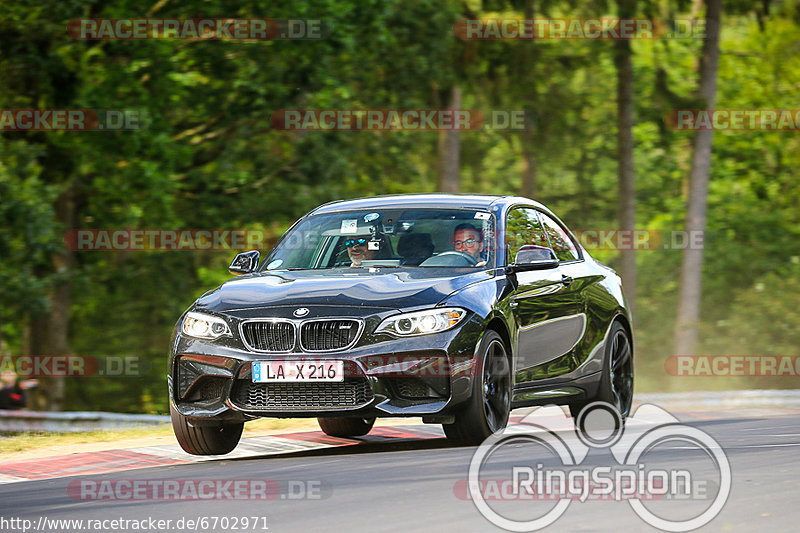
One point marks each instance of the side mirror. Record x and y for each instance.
(532, 257)
(244, 263)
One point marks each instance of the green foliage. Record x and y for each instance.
(28, 233)
(209, 157)
(762, 320)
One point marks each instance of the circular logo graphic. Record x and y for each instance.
(599, 425)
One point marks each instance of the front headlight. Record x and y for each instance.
(204, 326)
(422, 322)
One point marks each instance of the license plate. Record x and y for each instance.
(297, 371)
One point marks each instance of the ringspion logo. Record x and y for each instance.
(545, 464)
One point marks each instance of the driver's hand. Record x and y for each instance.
(480, 263)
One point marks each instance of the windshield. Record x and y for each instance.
(400, 238)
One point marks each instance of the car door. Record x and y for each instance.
(546, 304)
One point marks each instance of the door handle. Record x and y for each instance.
(566, 280)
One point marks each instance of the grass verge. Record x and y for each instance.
(26, 441)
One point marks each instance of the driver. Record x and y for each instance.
(357, 249)
(468, 239)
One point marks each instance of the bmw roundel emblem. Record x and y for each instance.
(302, 311)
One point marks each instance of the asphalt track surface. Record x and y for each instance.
(411, 485)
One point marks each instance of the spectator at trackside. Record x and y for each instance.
(12, 391)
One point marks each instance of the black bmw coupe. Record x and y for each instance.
(453, 308)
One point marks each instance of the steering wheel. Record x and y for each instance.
(471, 261)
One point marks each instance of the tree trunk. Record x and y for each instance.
(449, 150)
(528, 165)
(48, 333)
(626, 206)
(527, 137)
(691, 267)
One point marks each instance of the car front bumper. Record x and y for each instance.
(414, 376)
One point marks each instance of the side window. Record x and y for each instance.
(523, 227)
(560, 241)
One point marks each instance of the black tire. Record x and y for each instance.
(616, 381)
(488, 408)
(216, 439)
(346, 426)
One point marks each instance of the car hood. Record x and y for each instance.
(386, 289)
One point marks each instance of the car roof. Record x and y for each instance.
(453, 201)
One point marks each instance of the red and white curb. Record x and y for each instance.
(118, 460)
(102, 462)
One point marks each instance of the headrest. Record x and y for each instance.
(415, 244)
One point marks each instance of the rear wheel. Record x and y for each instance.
(616, 381)
(216, 439)
(346, 427)
(490, 404)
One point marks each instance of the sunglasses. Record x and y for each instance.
(467, 243)
(355, 242)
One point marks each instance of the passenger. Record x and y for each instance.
(358, 251)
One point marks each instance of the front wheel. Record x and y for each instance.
(490, 404)
(216, 439)
(346, 427)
